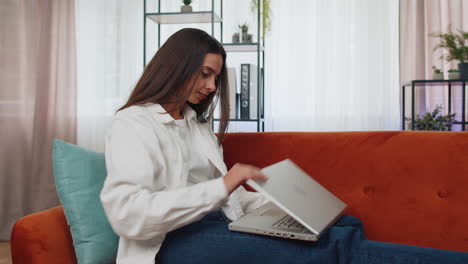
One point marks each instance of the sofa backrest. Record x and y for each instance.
(407, 187)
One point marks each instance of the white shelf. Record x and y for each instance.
(242, 47)
(183, 18)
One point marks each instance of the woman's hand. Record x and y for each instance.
(239, 174)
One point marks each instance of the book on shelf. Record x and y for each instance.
(249, 92)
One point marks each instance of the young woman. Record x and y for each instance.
(168, 194)
(165, 165)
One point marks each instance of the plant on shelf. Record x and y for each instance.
(454, 74)
(186, 7)
(266, 14)
(456, 45)
(434, 121)
(438, 74)
(244, 28)
(235, 38)
(245, 36)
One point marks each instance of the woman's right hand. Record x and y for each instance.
(240, 173)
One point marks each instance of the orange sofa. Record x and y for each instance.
(406, 187)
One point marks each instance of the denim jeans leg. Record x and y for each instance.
(210, 241)
(382, 252)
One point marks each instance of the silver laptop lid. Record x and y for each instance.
(295, 192)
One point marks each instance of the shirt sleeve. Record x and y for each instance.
(135, 196)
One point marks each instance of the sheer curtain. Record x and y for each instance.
(332, 65)
(37, 102)
(109, 61)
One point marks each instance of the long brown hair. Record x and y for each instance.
(165, 78)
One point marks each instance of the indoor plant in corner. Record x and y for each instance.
(186, 7)
(434, 120)
(245, 36)
(456, 45)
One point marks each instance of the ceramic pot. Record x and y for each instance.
(185, 9)
(438, 76)
(463, 69)
(454, 76)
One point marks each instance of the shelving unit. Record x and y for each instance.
(448, 84)
(211, 17)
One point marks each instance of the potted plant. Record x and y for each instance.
(245, 36)
(434, 120)
(235, 38)
(456, 45)
(453, 74)
(186, 7)
(438, 74)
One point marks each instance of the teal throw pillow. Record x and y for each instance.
(79, 177)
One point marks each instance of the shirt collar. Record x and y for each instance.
(188, 112)
(165, 118)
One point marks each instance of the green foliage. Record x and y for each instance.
(453, 70)
(244, 27)
(456, 45)
(436, 70)
(187, 2)
(266, 14)
(433, 120)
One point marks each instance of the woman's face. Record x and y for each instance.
(206, 81)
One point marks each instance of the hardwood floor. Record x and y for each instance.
(5, 255)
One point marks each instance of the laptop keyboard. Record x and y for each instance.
(289, 222)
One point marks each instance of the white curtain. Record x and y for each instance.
(109, 62)
(332, 65)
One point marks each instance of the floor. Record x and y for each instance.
(5, 256)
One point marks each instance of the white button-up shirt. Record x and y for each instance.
(148, 193)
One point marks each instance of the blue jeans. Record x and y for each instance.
(209, 241)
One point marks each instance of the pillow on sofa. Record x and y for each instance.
(79, 177)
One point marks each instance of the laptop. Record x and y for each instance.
(299, 208)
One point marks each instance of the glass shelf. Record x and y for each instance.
(184, 18)
(241, 47)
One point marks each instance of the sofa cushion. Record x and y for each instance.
(79, 177)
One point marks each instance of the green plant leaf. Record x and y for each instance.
(434, 120)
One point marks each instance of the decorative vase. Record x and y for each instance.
(454, 76)
(235, 38)
(185, 9)
(463, 69)
(438, 76)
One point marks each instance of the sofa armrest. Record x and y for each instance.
(42, 237)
